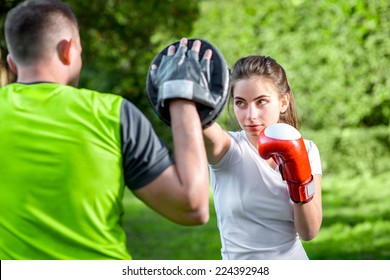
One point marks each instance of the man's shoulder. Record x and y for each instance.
(93, 93)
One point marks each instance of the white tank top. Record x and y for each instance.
(254, 210)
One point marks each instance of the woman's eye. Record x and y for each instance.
(239, 103)
(262, 101)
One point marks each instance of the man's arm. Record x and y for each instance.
(180, 193)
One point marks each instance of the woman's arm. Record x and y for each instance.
(217, 142)
(308, 216)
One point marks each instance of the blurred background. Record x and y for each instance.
(337, 57)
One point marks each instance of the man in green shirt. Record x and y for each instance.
(66, 154)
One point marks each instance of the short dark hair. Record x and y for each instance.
(31, 25)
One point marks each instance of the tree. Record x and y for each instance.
(336, 53)
(6, 76)
(120, 39)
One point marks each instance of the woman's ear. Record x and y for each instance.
(64, 49)
(284, 103)
(12, 64)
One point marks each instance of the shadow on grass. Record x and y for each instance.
(152, 237)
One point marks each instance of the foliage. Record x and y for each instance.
(6, 76)
(120, 43)
(336, 53)
(353, 151)
(120, 40)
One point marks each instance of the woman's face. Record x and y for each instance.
(256, 105)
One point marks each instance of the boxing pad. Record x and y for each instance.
(284, 144)
(182, 75)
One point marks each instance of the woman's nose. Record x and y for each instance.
(251, 113)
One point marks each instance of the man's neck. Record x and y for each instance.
(34, 74)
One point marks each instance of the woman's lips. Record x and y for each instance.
(253, 127)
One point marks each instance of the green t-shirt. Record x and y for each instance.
(61, 173)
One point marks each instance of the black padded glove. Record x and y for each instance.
(182, 76)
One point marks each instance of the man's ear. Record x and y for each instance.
(64, 48)
(12, 64)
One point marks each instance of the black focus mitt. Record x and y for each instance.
(182, 76)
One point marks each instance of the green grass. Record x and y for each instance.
(356, 219)
(152, 237)
(356, 226)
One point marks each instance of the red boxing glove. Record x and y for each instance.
(285, 145)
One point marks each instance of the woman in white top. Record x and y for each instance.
(256, 217)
